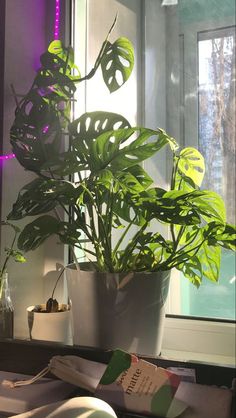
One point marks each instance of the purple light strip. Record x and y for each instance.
(56, 37)
(57, 20)
(7, 157)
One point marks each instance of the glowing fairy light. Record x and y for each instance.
(56, 37)
(57, 20)
(7, 157)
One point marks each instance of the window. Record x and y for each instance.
(182, 52)
(216, 139)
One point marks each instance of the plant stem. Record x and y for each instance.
(170, 259)
(123, 236)
(195, 249)
(8, 254)
(172, 186)
(57, 281)
(98, 60)
(130, 247)
(104, 237)
(85, 250)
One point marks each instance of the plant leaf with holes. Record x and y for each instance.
(36, 232)
(65, 164)
(117, 63)
(42, 195)
(67, 55)
(96, 171)
(192, 270)
(124, 148)
(202, 258)
(190, 169)
(89, 126)
(69, 233)
(210, 257)
(210, 205)
(172, 207)
(227, 237)
(34, 134)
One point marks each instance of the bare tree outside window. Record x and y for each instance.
(217, 114)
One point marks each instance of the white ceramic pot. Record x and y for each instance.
(52, 326)
(118, 310)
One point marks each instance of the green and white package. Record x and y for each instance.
(136, 385)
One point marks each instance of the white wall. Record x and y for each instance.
(154, 56)
(25, 39)
(142, 100)
(100, 17)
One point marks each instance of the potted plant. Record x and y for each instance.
(112, 201)
(6, 306)
(54, 325)
(50, 321)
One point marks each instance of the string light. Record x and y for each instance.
(7, 157)
(56, 37)
(57, 20)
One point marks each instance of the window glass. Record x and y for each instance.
(216, 137)
(216, 104)
(206, 72)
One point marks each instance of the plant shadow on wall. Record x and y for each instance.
(113, 196)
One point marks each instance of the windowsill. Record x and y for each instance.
(200, 341)
(188, 356)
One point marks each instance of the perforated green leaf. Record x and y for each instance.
(67, 55)
(192, 270)
(210, 205)
(42, 195)
(227, 237)
(90, 125)
(191, 169)
(203, 258)
(117, 63)
(36, 232)
(119, 150)
(210, 257)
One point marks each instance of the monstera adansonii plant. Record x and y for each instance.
(91, 168)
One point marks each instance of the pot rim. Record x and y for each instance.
(43, 305)
(72, 266)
